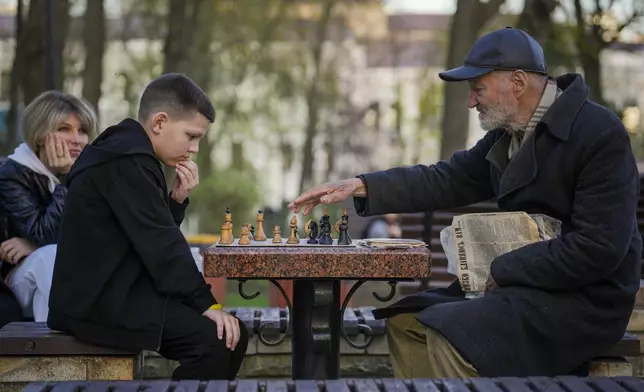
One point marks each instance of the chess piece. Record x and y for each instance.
(324, 222)
(343, 238)
(244, 238)
(345, 216)
(325, 230)
(292, 239)
(227, 229)
(313, 230)
(277, 238)
(259, 234)
(251, 228)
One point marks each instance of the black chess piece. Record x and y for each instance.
(313, 233)
(325, 233)
(343, 238)
(324, 223)
(345, 217)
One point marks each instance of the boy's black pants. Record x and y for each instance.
(191, 339)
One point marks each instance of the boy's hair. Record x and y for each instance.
(48, 111)
(176, 94)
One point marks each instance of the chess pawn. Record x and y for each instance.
(343, 238)
(292, 239)
(259, 234)
(244, 238)
(277, 238)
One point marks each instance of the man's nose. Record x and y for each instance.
(193, 149)
(471, 100)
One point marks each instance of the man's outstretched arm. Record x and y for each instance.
(463, 180)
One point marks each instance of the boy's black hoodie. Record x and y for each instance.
(121, 255)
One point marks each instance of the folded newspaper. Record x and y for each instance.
(473, 241)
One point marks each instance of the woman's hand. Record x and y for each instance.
(56, 154)
(15, 249)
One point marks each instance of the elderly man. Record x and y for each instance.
(551, 306)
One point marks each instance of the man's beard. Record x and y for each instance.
(499, 116)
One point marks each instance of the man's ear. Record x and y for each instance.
(158, 120)
(519, 82)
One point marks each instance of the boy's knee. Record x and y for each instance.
(211, 339)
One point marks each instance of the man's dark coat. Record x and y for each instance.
(560, 302)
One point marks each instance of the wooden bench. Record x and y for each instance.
(30, 351)
(274, 359)
(537, 384)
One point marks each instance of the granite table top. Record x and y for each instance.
(257, 261)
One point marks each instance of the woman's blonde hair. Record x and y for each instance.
(48, 110)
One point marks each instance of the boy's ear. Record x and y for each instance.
(158, 121)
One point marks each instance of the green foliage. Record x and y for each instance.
(224, 188)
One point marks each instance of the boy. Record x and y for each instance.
(124, 274)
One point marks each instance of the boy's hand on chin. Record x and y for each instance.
(187, 179)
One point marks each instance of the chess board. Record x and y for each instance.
(283, 244)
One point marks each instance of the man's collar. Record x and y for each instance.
(561, 115)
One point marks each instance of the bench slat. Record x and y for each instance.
(181, 386)
(217, 386)
(515, 384)
(310, 386)
(631, 383)
(330, 386)
(276, 386)
(607, 385)
(247, 386)
(454, 385)
(545, 384)
(395, 385)
(424, 385)
(572, 383)
(365, 385)
(485, 385)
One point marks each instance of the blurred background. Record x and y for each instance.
(305, 91)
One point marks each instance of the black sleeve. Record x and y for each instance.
(36, 222)
(463, 180)
(138, 201)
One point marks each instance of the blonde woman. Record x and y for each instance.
(56, 128)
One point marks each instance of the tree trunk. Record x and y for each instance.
(14, 89)
(467, 22)
(312, 98)
(592, 75)
(33, 47)
(535, 19)
(94, 39)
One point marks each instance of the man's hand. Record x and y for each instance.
(15, 249)
(226, 322)
(187, 179)
(55, 154)
(490, 285)
(328, 193)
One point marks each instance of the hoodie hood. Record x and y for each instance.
(126, 138)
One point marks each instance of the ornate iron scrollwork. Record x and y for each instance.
(240, 288)
(362, 328)
(390, 296)
(260, 330)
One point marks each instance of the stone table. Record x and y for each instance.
(316, 270)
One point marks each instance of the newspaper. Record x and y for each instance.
(473, 241)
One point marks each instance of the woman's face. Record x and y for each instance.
(71, 131)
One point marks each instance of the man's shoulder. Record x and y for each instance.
(595, 120)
